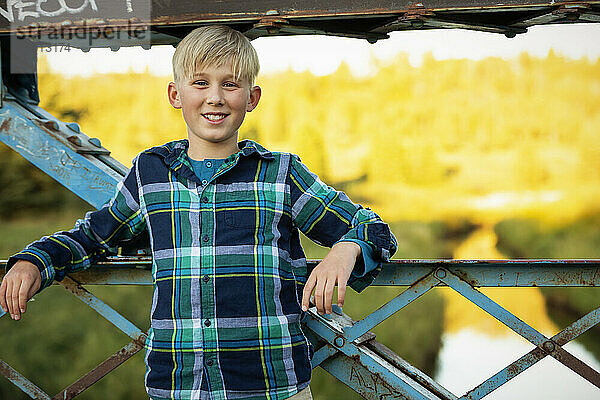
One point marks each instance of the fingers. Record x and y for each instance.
(341, 292)
(319, 294)
(328, 296)
(308, 288)
(23, 296)
(18, 285)
(3, 295)
(9, 298)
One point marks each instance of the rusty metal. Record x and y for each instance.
(22, 383)
(571, 332)
(521, 328)
(169, 21)
(112, 362)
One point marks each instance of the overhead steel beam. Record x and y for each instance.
(116, 23)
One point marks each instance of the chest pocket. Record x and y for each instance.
(254, 204)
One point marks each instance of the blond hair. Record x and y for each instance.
(215, 45)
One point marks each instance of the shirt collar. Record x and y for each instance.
(175, 153)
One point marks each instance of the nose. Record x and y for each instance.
(215, 96)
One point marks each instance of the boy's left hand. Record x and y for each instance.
(335, 268)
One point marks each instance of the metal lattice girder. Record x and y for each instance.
(105, 367)
(60, 150)
(112, 24)
(512, 370)
(28, 387)
(548, 346)
(351, 354)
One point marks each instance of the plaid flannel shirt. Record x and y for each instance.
(228, 269)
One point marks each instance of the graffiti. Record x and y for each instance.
(19, 10)
(374, 386)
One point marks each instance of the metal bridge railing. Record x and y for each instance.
(347, 349)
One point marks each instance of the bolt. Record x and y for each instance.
(75, 140)
(510, 34)
(417, 23)
(572, 16)
(548, 346)
(440, 273)
(51, 125)
(74, 126)
(371, 39)
(339, 341)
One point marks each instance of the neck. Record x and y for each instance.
(201, 149)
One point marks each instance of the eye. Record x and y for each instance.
(230, 84)
(200, 83)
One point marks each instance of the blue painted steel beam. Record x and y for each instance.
(519, 326)
(574, 330)
(322, 354)
(59, 151)
(511, 273)
(496, 273)
(387, 310)
(379, 379)
(22, 383)
(104, 309)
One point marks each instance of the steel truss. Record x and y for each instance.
(345, 348)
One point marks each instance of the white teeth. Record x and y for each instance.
(214, 117)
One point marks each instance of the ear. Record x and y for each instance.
(173, 94)
(255, 93)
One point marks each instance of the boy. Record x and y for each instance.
(223, 219)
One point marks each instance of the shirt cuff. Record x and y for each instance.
(40, 259)
(366, 267)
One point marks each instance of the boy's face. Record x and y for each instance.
(214, 104)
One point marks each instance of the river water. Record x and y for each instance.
(475, 346)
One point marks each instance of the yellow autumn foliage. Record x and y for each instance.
(482, 139)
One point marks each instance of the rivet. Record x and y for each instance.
(75, 140)
(339, 341)
(95, 142)
(440, 273)
(417, 23)
(549, 346)
(74, 126)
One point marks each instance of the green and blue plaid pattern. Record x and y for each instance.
(228, 268)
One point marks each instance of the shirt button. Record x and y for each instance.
(209, 362)
(205, 199)
(205, 278)
(205, 238)
(207, 322)
(208, 164)
(204, 182)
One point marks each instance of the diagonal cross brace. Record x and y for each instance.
(515, 368)
(396, 304)
(22, 383)
(519, 326)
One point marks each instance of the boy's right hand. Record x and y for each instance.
(21, 282)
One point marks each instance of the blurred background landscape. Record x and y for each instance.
(491, 158)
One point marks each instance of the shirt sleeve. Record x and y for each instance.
(327, 216)
(98, 233)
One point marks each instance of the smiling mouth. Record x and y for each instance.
(215, 117)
